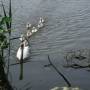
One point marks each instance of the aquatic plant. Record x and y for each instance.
(8, 23)
(5, 27)
(4, 83)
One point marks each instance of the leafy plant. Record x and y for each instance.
(4, 83)
(8, 22)
(3, 39)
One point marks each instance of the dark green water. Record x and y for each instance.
(67, 27)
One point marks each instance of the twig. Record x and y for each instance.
(9, 29)
(15, 38)
(10, 15)
(23, 62)
(20, 37)
(65, 79)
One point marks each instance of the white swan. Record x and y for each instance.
(28, 26)
(40, 25)
(24, 47)
(22, 38)
(41, 20)
(29, 33)
(34, 29)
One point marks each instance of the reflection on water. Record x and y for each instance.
(67, 27)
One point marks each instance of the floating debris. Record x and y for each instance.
(65, 88)
(78, 59)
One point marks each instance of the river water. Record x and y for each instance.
(67, 26)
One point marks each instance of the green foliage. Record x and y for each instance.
(3, 42)
(3, 22)
(5, 19)
(3, 39)
(8, 18)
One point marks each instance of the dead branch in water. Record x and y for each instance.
(65, 79)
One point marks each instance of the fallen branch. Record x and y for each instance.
(19, 63)
(15, 38)
(23, 62)
(65, 79)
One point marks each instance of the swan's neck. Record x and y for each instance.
(25, 43)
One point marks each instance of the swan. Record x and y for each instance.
(41, 20)
(28, 26)
(22, 38)
(23, 51)
(34, 29)
(29, 33)
(40, 25)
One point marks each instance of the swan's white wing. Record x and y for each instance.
(42, 20)
(18, 55)
(35, 30)
(40, 25)
(26, 52)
